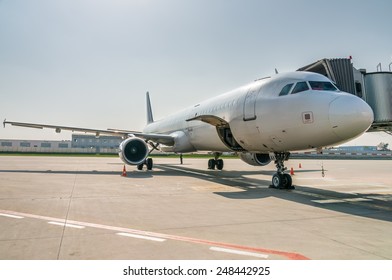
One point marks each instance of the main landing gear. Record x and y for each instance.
(281, 180)
(148, 163)
(215, 162)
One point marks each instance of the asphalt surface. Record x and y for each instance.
(82, 208)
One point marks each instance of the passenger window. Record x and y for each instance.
(286, 89)
(301, 86)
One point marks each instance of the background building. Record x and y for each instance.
(101, 144)
(80, 143)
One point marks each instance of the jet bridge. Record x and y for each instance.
(373, 87)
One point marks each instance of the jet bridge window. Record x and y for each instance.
(286, 89)
(317, 85)
(300, 86)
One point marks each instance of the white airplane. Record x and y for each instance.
(261, 121)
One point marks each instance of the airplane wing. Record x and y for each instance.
(165, 139)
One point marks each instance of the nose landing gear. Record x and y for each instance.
(281, 180)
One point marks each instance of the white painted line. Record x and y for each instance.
(66, 225)
(242, 181)
(190, 172)
(238, 252)
(141, 237)
(357, 199)
(325, 201)
(11, 216)
(318, 179)
(383, 198)
(309, 194)
(156, 235)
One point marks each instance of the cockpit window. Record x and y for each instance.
(286, 89)
(300, 86)
(316, 85)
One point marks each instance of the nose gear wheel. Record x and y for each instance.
(281, 180)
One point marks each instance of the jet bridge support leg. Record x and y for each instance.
(280, 179)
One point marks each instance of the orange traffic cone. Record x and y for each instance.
(292, 171)
(124, 173)
(299, 166)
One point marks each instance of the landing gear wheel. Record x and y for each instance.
(211, 164)
(215, 162)
(277, 181)
(287, 182)
(282, 181)
(149, 163)
(219, 164)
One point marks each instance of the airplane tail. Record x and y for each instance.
(150, 118)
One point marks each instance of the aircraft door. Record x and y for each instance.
(250, 103)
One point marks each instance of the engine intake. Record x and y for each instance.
(255, 159)
(133, 151)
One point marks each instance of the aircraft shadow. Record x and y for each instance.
(378, 207)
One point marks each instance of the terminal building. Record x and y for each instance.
(86, 141)
(25, 145)
(80, 143)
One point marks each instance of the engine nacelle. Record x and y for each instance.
(255, 159)
(133, 151)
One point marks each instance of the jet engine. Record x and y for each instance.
(255, 159)
(133, 151)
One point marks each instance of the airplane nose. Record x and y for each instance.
(350, 116)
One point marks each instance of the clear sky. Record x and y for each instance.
(89, 63)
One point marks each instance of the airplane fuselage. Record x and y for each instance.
(259, 118)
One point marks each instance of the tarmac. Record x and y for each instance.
(82, 208)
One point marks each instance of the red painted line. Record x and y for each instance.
(287, 255)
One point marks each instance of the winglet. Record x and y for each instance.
(4, 122)
(150, 118)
